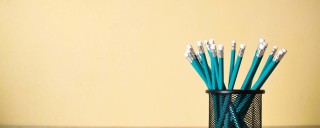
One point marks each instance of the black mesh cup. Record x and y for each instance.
(235, 109)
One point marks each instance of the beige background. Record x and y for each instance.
(121, 63)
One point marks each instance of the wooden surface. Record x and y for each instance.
(143, 127)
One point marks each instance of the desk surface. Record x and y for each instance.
(143, 127)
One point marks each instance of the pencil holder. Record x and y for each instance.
(235, 109)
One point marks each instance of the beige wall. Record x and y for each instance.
(120, 63)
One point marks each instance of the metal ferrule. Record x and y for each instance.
(241, 52)
(220, 53)
(279, 56)
(189, 57)
(274, 50)
(211, 41)
(233, 46)
(265, 45)
(261, 50)
(206, 42)
(213, 50)
(198, 56)
(284, 51)
(200, 47)
(193, 54)
(191, 50)
(260, 43)
(201, 50)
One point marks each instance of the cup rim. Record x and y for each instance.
(235, 91)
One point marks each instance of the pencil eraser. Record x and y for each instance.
(188, 50)
(206, 42)
(199, 43)
(242, 46)
(211, 41)
(275, 47)
(220, 47)
(284, 50)
(186, 54)
(264, 43)
(261, 40)
(189, 46)
(261, 46)
(213, 46)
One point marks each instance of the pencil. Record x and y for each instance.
(254, 66)
(204, 63)
(274, 50)
(221, 74)
(215, 59)
(261, 41)
(230, 87)
(233, 52)
(190, 55)
(214, 72)
(236, 67)
(212, 53)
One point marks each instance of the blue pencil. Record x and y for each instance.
(221, 69)
(204, 63)
(227, 101)
(214, 74)
(261, 41)
(223, 102)
(190, 55)
(233, 52)
(220, 82)
(214, 56)
(232, 56)
(236, 67)
(274, 50)
(266, 45)
(254, 67)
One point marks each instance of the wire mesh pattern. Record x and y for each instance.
(241, 116)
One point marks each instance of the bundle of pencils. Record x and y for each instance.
(213, 76)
